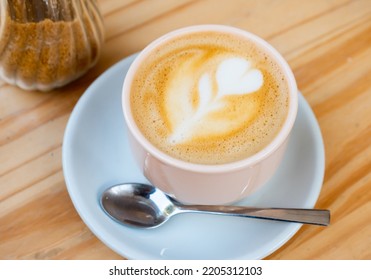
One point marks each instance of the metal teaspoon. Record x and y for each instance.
(145, 206)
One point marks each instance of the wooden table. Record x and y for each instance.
(327, 44)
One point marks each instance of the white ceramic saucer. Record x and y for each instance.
(96, 155)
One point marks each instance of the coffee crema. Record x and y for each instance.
(209, 97)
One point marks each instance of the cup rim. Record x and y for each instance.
(277, 141)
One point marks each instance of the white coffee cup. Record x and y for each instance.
(200, 183)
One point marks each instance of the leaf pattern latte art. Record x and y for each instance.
(233, 77)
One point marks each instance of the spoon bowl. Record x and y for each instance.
(137, 204)
(144, 206)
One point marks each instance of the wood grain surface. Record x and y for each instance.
(326, 42)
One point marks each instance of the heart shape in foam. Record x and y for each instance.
(212, 115)
(236, 76)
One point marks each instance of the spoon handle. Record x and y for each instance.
(304, 216)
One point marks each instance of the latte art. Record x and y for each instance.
(209, 98)
(233, 76)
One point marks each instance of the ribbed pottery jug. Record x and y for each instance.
(46, 44)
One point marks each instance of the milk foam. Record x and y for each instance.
(209, 98)
(234, 76)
